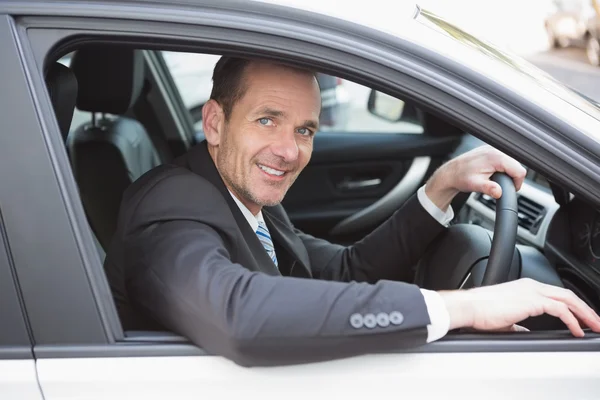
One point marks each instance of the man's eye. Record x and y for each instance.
(304, 131)
(265, 121)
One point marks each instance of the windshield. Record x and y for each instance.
(516, 63)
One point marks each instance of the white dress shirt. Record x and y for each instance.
(251, 218)
(438, 314)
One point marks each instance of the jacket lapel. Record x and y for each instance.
(200, 162)
(283, 235)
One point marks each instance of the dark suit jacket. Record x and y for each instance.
(184, 258)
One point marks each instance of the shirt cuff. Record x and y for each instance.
(438, 315)
(443, 218)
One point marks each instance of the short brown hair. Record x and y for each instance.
(228, 82)
(228, 85)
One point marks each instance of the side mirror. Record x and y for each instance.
(392, 109)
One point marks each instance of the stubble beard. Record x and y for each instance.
(235, 182)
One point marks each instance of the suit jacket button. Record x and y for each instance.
(383, 320)
(396, 317)
(370, 321)
(356, 320)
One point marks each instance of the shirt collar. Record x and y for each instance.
(252, 219)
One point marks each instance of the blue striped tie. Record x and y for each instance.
(265, 238)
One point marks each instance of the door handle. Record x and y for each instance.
(385, 206)
(359, 184)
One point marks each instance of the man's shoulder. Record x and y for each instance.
(170, 186)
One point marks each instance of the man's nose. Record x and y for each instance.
(285, 146)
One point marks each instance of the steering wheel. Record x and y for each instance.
(469, 252)
(505, 232)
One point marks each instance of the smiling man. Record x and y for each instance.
(278, 121)
(204, 249)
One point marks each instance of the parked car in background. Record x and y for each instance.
(575, 23)
(592, 40)
(566, 22)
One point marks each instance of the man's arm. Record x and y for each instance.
(181, 274)
(389, 252)
(395, 246)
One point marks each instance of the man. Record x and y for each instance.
(204, 249)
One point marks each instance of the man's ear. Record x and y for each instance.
(213, 120)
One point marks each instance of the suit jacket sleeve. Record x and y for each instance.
(389, 252)
(181, 274)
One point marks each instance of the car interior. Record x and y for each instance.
(133, 120)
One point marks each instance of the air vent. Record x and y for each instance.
(531, 213)
(489, 201)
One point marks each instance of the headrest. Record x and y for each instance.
(110, 78)
(62, 87)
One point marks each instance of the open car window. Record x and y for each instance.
(343, 102)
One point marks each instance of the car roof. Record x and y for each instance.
(396, 16)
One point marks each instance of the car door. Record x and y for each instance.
(365, 163)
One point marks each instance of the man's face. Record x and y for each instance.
(269, 136)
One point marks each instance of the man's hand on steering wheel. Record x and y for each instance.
(471, 172)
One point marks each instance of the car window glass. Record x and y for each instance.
(344, 103)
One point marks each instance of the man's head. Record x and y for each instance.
(259, 124)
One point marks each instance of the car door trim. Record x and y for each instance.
(176, 346)
(385, 206)
(15, 353)
(49, 229)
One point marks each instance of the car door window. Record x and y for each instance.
(344, 104)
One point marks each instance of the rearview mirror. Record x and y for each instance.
(392, 109)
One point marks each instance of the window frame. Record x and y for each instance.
(41, 225)
(46, 33)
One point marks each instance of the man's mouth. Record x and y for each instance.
(271, 171)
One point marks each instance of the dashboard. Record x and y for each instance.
(583, 229)
(536, 208)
